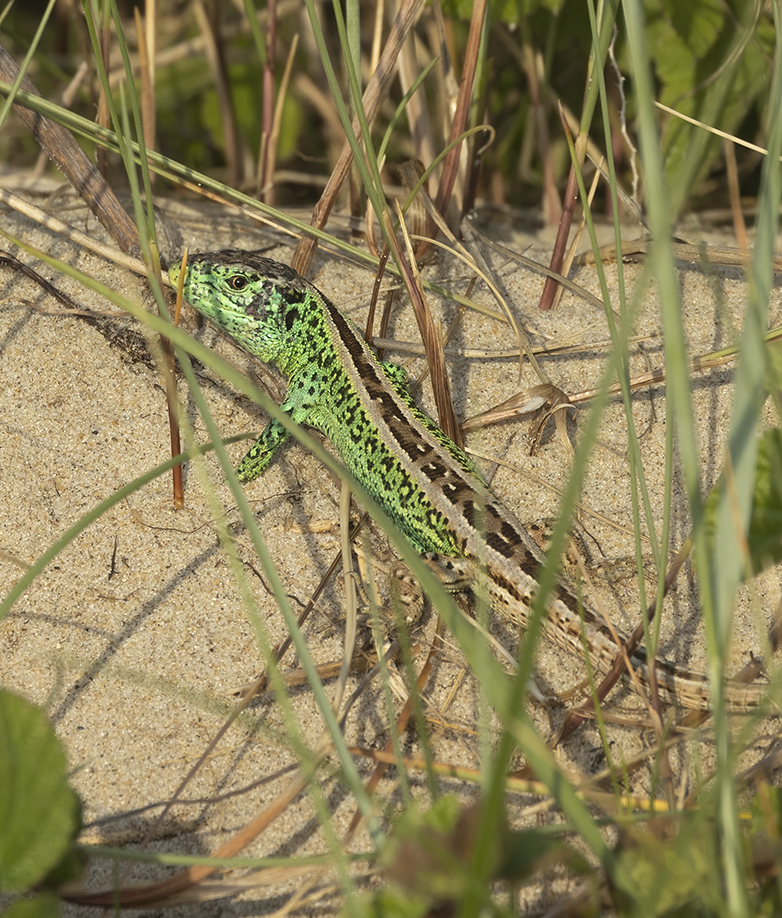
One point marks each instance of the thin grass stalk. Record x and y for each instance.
(124, 137)
(261, 46)
(620, 338)
(734, 191)
(402, 109)
(138, 121)
(149, 44)
(659, 549)
(270, 111)
(270, 114)
(145, 215)
(103, 58)
(417, 112)
(569, 498)
(393, 743)
(680, 412)
(26, 62)
(269, 144)
(606, 16)
(477, 110)
(352, 48)
(123, 141)
(147, 78)
(727, 567)
(751, 389)
(209, 23)
(365, 160)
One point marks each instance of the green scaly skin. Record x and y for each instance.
(278, 317)
(424, 482)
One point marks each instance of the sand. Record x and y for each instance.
(135, 637)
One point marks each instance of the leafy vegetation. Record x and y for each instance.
(711, 60)
(715, 853)
(40, 815)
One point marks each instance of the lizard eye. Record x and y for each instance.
(238, 283)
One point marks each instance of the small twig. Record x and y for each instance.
(434, 352)
(565, 222)
(68, 232)
(739, 225)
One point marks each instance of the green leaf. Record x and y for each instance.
(45, 905)
(694, 48)
(531, 851)
(39, 812)
(764, 539)
(698, 24)
(429, 852)
(688, 862)
(765, 527)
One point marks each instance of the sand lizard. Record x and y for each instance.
(424, 482)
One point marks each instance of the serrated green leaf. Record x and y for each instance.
(693, 48)
(698, 24)
(39, 812)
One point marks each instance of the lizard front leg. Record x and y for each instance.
(262, 451)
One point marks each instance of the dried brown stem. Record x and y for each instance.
(459, 125)
(566, 221)
(72, 161)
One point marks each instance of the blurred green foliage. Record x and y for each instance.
(40, 815)
(711, 59)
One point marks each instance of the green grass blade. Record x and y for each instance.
(12, 90)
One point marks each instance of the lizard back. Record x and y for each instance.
(424, 482)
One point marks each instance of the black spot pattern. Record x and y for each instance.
(291, 328)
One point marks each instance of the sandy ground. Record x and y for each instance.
(135, 637)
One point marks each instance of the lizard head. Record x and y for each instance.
(250, 298)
